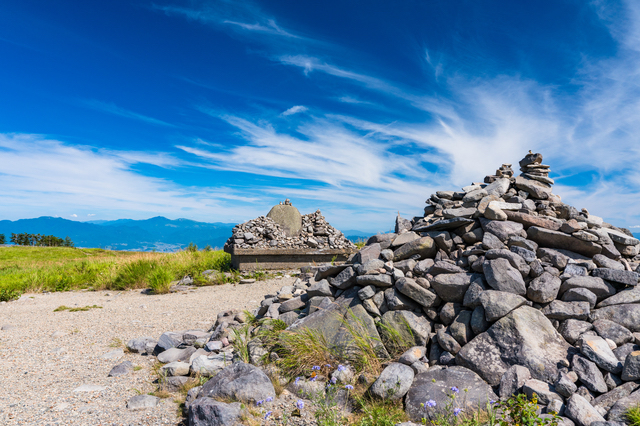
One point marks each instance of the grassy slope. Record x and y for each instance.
(59, 268)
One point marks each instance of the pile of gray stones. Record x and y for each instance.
(499, 289)
(264, 233)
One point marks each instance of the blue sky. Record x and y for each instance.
(216, 110)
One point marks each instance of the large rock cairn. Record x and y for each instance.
(500, 288)
(266, 232)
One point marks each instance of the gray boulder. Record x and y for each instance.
(415, 291)
(611, 330)
(604, 262)
(571, 329)
(626, 296)
(239, 382)
(167, 341)
(627, 315)
(501, 276)
(460, 328)
(580, 295)
(501, 229)
(206, 411)
(437, 383)
(631, 370)
(589, 374)
(497, 304)
(398, 301)
(580, 411)
(452, 287)
(121, 369)
(597, 350)
(142, 345)
(513, 380)
(414, 329)
(378, 280)
(142, 402)
(619, 410)
(479, 323)
(336, 321)
(394, 382)
(560, 310)
(424, 246)
(565, 386)
(544, 288)
(321, 288)
(560, 240)
(596, 285)
(607, 400)
(616, 275)
(175, 354)
(523, 337)
(346, 278)
(546, 392)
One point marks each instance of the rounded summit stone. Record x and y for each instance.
(288, 217)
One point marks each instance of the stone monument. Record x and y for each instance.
(288, 217)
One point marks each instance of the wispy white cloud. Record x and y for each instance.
(52, 178)
(244, 17)
(295, 110)
(122, 112)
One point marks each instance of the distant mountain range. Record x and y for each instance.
(157, 233)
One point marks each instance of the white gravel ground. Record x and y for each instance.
(39, 373)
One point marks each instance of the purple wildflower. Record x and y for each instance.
(259, 402)
(341, 367)
(457, 411)
(300, 404)
(269, 399)
(348, 387)
(455, 390)
(313, 379)
(268, 414)
(431, 403)
(315, 367)
(334, 380)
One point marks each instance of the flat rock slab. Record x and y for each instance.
(524, 337)
(89, 388)
(113, 355)
(443, 225)
(560, 240)
(142, 402)
(436, 385)
(615, 275)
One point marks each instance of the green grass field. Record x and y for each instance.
(25, 269)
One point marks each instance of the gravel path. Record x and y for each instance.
(40, 373)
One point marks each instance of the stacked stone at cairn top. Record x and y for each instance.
(505, 171)
(531, 167)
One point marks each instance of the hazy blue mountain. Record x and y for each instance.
(157, 233)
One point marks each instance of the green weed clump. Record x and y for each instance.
(83, 309)
(160, 280)
(633, 415)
